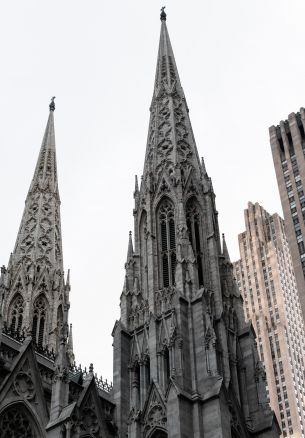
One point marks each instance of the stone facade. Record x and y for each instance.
(267, 283)
(185, 361)
(42, 392)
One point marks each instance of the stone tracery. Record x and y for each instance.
(16, 313)
(15, 422)
(167, 242)
(39, 319)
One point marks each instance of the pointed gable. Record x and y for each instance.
(90, 415)
(154, 412)
(23, 385)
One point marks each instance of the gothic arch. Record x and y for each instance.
(17, 421)
(194, 225)
(16, 312)
(157, 433)
(166, 231)
(39, 324)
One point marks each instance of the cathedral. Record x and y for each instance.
(185, 362)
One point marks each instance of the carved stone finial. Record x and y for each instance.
(52, 104)
(163, 14)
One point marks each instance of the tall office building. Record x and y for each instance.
(288, 149)
(267, 283)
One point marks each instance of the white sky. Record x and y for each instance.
(242, 67)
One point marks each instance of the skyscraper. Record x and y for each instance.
(267, 283)
(288, 148)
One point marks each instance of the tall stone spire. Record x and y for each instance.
(171, 143)
(39, 237)
(181, 344)
(35, 276)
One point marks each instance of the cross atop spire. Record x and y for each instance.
(52, 104)
(163, 14)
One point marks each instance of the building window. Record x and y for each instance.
(167, 242)
(39, 320)
(16, 313)
(166, 367)
(301, 247)
(16, 421)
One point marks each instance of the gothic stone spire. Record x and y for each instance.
(182, 329)
(35, 289)
(171, 145)
(39, 237)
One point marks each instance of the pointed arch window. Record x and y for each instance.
(167, 372)
(194, 227)
(16, 313)
(167, 242)
(16, 421)
(39, 320)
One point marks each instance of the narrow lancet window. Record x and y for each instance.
(167, 372)
(39, 317)
(16, 313)
(167, 243)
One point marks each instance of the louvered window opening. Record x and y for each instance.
(167, 371)
(17, 313)
(193, 224)
(38, 327)
(168, 243)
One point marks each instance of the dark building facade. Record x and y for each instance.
(288, 150)
(185, 361)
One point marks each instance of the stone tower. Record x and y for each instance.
(185, 360)
(36, 297)
(43, 394)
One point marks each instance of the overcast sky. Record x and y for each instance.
(242, 67)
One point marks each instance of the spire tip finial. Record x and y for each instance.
(52, 104)
(163, 14)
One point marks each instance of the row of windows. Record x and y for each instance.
(167, 242)
(16, 313)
